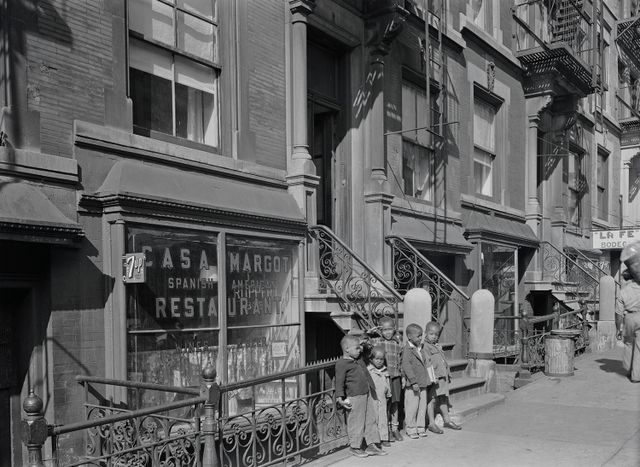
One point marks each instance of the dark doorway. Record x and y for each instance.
(326, 87)
(14, 364)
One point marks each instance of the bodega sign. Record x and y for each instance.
(614, 239)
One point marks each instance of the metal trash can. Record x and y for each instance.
(559, 350)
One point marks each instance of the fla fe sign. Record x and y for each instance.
(614, 239)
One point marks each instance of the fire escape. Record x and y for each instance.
(557, 42)
(628, 91)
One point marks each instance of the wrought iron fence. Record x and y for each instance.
(362, 292)
(302, 417)
(535, 329)
(411, 269)
(506, 337)
(569, 275)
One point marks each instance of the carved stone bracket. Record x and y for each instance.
(302, 7)
(385, 21)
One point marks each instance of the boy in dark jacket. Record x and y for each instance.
(414, 368)
(356, 392)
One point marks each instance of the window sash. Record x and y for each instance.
(196, 116)
(484, 128)
(418, 171)
(483, 172)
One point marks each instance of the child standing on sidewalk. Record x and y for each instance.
(393, 351)
(439, 392)
(380, 379)
(414, 368)
(356, 392)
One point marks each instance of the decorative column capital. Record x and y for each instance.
(300, 9)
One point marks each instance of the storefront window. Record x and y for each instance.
(262, 318)
(499, 275)
(173, 318)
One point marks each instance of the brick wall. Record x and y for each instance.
(266, 23)
(68, 67)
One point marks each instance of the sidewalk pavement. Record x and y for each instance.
(589, 419)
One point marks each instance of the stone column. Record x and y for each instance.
(382, 29)
(301, 173)
(533, 204)
(301, 159)
(606, 331)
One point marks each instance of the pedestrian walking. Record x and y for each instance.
(628, 312)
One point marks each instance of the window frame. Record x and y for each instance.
(428, 195)
(495, 102)
(174, 51)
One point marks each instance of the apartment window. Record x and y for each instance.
(174, 69)
(484, 141)
(417, 157)
(603, 185)
(576, 187)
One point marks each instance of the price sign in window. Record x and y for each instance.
(133, 268)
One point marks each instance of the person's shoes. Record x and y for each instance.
(396, 435)
(374, 450)
(358, 452)
(385, 444)
(422, 434)
(435, 429)
(452, 425)
(413, 435)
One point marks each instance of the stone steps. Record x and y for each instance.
(465, 387)
(473, 406)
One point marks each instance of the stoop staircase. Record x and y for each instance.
(356, 297)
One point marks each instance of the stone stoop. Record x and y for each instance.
(474, 406)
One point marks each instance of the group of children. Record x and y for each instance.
(370, 381)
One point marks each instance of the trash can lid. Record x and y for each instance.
(565, 332)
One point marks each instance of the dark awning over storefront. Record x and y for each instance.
(499, 228)
(582, 244)
(442, 236)
(172, 189)
(27, 215)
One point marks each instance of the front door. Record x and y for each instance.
(323, 154)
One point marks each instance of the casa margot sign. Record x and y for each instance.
(614, 239)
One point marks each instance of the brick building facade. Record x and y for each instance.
(210, 135)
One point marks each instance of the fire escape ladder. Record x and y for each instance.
(412, 270)
(362, 292)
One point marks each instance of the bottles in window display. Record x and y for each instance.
(251, 360)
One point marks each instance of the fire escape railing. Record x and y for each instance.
(411, 269)
(361, 291)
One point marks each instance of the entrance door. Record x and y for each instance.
(323, 154)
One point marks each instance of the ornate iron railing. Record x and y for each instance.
(295, 415)
(362, 292)
(303, 418)
(535, 329)
(568, 275)
(411, 269)
(176, 433)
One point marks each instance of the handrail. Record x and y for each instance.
(593, 263)
(362, 263)
(136, 385)
(449, 282)
(569, 259)
(281, 375)
(59, 430)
